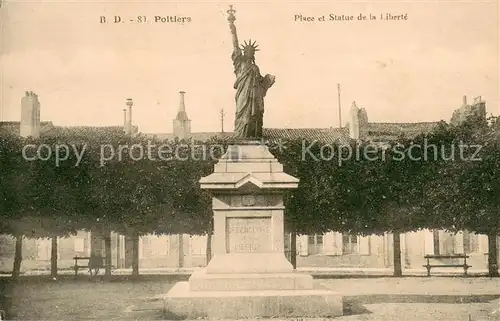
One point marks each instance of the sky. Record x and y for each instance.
(401, 71)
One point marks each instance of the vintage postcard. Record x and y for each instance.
(249, 159)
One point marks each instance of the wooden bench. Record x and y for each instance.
(428, 266)
(76, 267)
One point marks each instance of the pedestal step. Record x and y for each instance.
(203, 281)
(180, 302)
(249, 263)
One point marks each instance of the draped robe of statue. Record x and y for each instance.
(251, 89)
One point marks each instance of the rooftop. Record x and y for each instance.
(392, 130)
(376, 131)
(326, 135)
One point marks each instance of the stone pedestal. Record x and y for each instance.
(249, 275)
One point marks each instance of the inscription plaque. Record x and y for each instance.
(248, 235)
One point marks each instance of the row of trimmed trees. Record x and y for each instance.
(39, 199)
(433, 181)
(446, 179)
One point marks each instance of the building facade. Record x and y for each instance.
(333, 249)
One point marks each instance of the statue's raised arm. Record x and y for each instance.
(251, 87)
(231, 18)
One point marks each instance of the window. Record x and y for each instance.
(79, 244)
(349, 243)
(160, 245)
(198, 245)
(315, 244)
(471, 243)
(435, 235)
(147, 250)
(446, 243)
(44, 249)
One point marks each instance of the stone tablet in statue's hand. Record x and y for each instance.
(270, 79)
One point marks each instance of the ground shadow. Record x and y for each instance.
(421, 298)
(5, 298)
(351, 307)
(104, 295)
(355, 305)
(37, 279)
(326, 276)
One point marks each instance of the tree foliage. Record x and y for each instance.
(361, 188)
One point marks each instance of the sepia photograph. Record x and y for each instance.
(249, 160)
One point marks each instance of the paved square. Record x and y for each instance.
(405, 299)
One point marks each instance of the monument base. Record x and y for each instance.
(203, 281)
(249, 263)
(249, 275)
(181, 303)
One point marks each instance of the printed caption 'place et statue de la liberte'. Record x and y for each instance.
(342, 17)
(145, 19)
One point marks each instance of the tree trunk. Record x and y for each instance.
(53, 257)
(209, 247)
(107, 250)
(293, 249)
(18, 257)
(181, 250)
(118, 252)
(129, 251)
(135, 255)
(398, 271)
(492, 254)
(209, 241)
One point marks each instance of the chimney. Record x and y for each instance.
(181, 123)
(182, 106)
(354, 122)
(30, 115)
(130, 103)
(465, 100)
(363, 123)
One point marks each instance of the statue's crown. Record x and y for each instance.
(249, 44)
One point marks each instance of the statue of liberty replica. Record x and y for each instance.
(251, 87)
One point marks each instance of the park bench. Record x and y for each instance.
(76, 267)
(428, 266)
